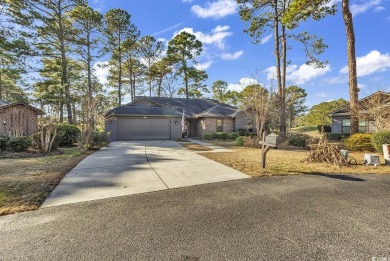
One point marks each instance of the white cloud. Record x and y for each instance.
(162, 40)
(204, 66)
(374, 61)
(299, 75)
(336, 80)
(321, 94)
(216, 9)
(101, 71)
(98, 5)
(379, 9)
(170, 28)
(357, 9)
(216, 36)
(332, 2)
(242, 83)
(361, 86)
(306, 73)
(266, 39)
(232, 56)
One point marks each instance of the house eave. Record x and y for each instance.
(140, 115)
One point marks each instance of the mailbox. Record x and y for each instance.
(272, 139)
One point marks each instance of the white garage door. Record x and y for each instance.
(144, 129)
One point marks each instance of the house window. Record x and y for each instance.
(346, 126)
(250, 126)
(219, 125)
(362, 126)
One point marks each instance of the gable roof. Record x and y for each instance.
(193, 108)
(5, 104)
(380, 96)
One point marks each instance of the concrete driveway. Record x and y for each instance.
(127, 168)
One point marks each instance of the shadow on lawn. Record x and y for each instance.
(335, 176)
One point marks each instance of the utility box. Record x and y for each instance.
(386, 153)
(371, 159)
(345, 153)
(272, 139)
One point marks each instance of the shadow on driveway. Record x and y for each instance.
(334, 176)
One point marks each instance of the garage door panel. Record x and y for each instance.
(144, 129)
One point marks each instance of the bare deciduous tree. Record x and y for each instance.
(375, 109)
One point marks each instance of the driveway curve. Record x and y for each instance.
(133, 167)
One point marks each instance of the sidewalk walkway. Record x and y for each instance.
(214, 148)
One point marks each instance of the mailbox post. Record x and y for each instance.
(270, 141)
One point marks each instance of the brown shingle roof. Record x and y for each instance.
(4, 104)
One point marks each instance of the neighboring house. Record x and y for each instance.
(371, 108)
(18, 119)
(160, 118)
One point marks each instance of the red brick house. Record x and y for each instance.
(18, 119)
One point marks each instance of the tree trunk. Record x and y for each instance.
(1, 79)
(64, 66)
(149, 78)
(160, 80)
(61, 112)
(90, 111)
(74, 111)
(185, 75)
(282, 111)
(120, 72)
(278, 63)
(353, 88)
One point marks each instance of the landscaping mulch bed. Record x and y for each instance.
(195, 147)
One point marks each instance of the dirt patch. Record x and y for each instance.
(287, 162)
(26, 182)
(195, 147)
(27, 154)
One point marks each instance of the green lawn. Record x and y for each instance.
(304, 129)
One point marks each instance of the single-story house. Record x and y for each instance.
(18, 119)
(341, 118)
(149, 118)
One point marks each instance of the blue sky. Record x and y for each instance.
(229, 54)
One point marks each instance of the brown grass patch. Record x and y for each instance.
(195, 147)
(286, 162)
(25, 183)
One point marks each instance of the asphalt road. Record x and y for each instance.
(307, 217)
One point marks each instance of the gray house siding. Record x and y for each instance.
(175, 128)
(111, 127)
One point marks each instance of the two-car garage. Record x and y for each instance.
(144, 128)
(143, 120)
